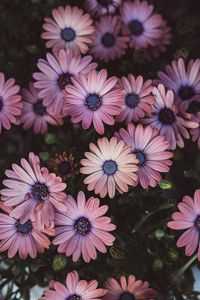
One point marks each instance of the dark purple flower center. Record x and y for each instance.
(166, 116)
(74, 297)
(24, 228)
(68, 34)
(136, 27)
(1, 103)
(105, 2)
(197, 222)
(82, 226)
(127, 296)
(93, 101)
(64, 167)
(39, 108)
(109, 167)
(140, 156)
(40, 192)
(63, 80)
(186, 92)
(108, 40)
(132, 100)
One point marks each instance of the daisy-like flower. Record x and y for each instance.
(56, 73)
(35, 114)
(138, 98)
(108, 43)
(168, 119)
(183, 80)
(83, 229)
(10, 103)
(150, 149)
(63, 165)
(188, 219)
(142, 25)
(93, 99)
(102, 7)
(128, 289)
(70, 28)
(33, 191)
(195, 132)
(109, 166)
(74, 289)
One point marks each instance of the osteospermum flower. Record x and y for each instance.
(137, 100)
(108, 43)
(70, 28)
(109, 166)
(183, 80)
(142, 25)
(102, 7)
(195, 132)
(35, 114)
(188, 219)
(128, 289)
(93, 99)
(56, 73)
(150, 149)
(74, 289)
(10, 103)
(83, 228)
(168, 119)
(33, 191)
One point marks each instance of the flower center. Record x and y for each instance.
(186, 92)
(108, 40)
(132, 100)
(74, 297)
(197, 222)
(136, 27)
(93, 101)
(63, 80)
(127, 296)
(105, 2)
(166, 116)
(109, 167)
(24, 228)
(64, 167)
(82, 226)
(140, 156)
(1, 103)
(39, 108)
(40, 192)
(68, 34)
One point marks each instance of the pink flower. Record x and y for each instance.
(109, 166)
(183, 80)
(70, 28)
(128, 289)
(35, 114)
(108, 43)
(56, 73)
(10, 103)
(151, 151)
(195, 132)
(138, 99)
(142, 25)
(75, 289)
(167, 119)
(93, 98)
(33, 191)
(188, 218)
(102, 7)
(83, 229)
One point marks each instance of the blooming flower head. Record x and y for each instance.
(128, 289)
(33, 191)
(109, 166)
(195, 132)
(10, 103)
(188, 219)
(142, 25)
(93, 98)
(83, 229)
(167, 119)
(35, 114)
(74, 289)
(102, 7)
(137, 100)
(70, 28)
(108, 43)
(150, 149)
(183, 80)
